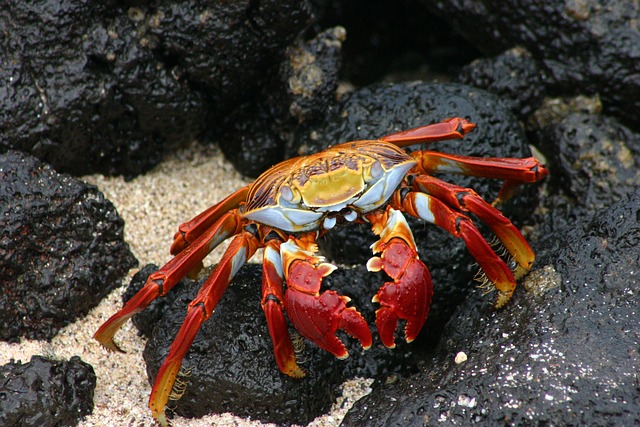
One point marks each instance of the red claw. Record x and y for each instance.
(318, 317)
(408, 297)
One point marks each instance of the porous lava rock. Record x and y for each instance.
(61, 249)
(583, 47)
(109, 87)
(230, 366)
(45, 392)
(572, 335)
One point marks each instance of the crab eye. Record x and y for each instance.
(376, 169)
(286, 193)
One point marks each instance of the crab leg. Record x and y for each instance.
(432, 210)
(272, 297)
(409, 295)
(448, 129)
(190, 230)
(465, 200)
(513, 171)
(241, 248)
(318, 316)
(163, 280)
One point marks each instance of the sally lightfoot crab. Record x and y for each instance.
(290, 205)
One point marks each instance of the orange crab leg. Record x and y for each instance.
(465, 200)
(241, 248)
(163, 280)
(448, 129)
(409, 295)
(432, 210)
(190, 230)
(273, 307)
(318, 316)
(512, 171)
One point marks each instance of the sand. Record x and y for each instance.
(152, 206)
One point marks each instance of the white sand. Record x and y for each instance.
(152, 206)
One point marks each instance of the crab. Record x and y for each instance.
(293, 203)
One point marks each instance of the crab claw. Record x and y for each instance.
(408, 297)
(318, 316)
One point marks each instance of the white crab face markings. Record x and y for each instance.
(350, 216)
(287, 219)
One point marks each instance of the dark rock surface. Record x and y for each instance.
(104, 87)
(302, 90)
(395, 41)
(61, 248)
(45, 392)
(593, 161)
(230, 366)
(515, 76)
(585, 47)
(563, 353)
(593, 158)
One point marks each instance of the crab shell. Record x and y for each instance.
(345, 180)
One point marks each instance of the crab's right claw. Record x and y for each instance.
(318, 316)
(407, 297)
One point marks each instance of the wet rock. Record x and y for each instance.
(515, 76)
(220, 361)
(593, 158)
(302, 91)
(593, 161)
(399, 40)
(541, 360)
(584, 47)
(106, 88)
(61, 248)
(45, 392)
(381, 109)
(231, 368)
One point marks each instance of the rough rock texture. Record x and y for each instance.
(61, 248)
(585, 47)
(303, 89)
(45, 392)
(565, 352)
(230, 366)
(102, 87)
(592, 159)
(514, 76)
(395, 41)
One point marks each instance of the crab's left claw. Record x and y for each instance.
(318, 316)
(409, 295)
